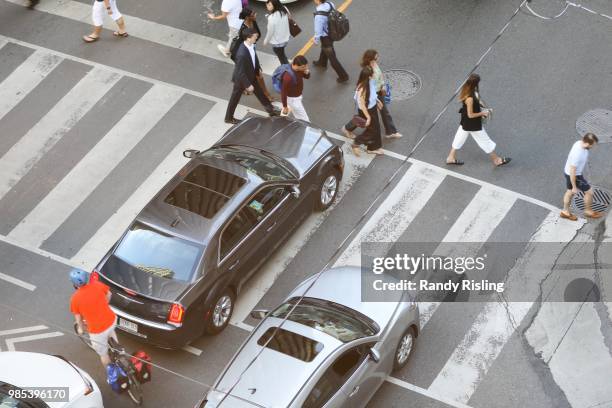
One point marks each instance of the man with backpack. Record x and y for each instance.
(288, 80)
(329, 25)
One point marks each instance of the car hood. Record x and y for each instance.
(294, 141)
(141, 282)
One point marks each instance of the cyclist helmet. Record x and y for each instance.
(79, 277)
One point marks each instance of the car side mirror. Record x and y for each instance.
(190, 153)
(295, 192)
(374, 355)
(259, 314)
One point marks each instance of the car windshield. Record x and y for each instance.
(158, 254)
(331, 318)
(264, 165)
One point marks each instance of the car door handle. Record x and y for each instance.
(355, 391)
(271, 227)
(233, 265)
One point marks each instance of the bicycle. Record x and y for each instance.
(118, 356)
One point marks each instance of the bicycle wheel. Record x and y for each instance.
(84, 337)
(135, 388)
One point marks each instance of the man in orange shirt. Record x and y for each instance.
(90, 304)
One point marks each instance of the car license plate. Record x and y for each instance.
(127, 325)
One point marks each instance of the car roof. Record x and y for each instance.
(274, 379)
(192, 226)
(25, 369)
(348, 278)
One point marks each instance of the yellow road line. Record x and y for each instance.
(310, 42)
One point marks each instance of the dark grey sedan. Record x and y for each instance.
(176, 272)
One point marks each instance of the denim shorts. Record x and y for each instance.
(581, 183)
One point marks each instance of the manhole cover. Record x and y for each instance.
(597, 121)
(601, 200)
(404, 84)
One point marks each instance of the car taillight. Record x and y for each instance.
(94, 276)
(177, 312)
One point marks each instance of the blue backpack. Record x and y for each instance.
(277, 76)
(116, 378)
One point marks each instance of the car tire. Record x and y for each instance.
(328, 189)
(221, 311)
(404, 348)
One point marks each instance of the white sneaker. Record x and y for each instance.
(223, 51)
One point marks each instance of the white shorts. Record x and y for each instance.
(480, 136)
(99, 11)
(99, 341)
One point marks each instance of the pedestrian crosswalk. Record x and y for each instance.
(85, 198)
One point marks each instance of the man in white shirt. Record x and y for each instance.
(230, 10)
(575, 181)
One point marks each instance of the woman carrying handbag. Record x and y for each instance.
(471, 124)
(277, 34)
(367, 108)
(370, 59)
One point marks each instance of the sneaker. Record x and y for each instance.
(342, 80)
(223, 50)
(232, 121)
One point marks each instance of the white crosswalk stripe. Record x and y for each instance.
(481, 345)
(25, 78)
(95, 166)
(55, 124)
(473, 227)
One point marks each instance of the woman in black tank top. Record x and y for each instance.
(471, 124)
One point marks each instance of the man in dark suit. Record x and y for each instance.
(245, 77)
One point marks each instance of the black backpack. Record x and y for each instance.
(235, 44)
(338, 24)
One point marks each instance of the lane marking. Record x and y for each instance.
(24, 154)
(93, 168)
(256, 287)
(310, 42)
(10, 343)
(395, 212)
(492, 328)
(41, 252)
(17, 282)
(151, 31)
(470, 231)
(192, 350)
(427, 393)
(22, 330)
(25, 78)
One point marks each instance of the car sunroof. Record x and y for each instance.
(205, 190)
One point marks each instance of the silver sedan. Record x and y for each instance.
(333, 350)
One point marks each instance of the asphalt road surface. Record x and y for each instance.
(90, 132)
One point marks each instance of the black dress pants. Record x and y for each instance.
(328, 53)
(237, 92)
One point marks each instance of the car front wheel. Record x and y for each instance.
(404, 349)
(328, 190)
(221, 311)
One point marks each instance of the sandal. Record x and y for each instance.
(378, 152)
(505, 160)
(90, 39)
(568, 216)
(347, 133)
(594, 215)
(118, 34)
(456, 163)
(395, 135)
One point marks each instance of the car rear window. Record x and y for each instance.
(159, 254)
(205, 190)
(291, 344)
(336, 320)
